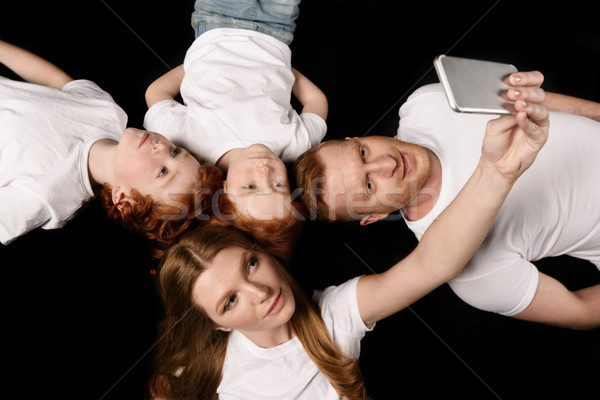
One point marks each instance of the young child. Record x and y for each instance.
(236, 84)
(62, 139)
(237, 326)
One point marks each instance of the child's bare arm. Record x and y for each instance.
(313, 100)
(166, 87)
(31, 67)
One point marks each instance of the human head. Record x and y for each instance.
(158, 189)
(361, 178)
(257, 183)
(256, 199)
(190, 356)
(234, 281)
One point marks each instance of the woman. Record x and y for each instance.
(237, 325)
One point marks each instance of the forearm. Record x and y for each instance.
(452, 239)
(166, 87)
(444, 250)
(573, 105)
(313, 100)
(31, 67)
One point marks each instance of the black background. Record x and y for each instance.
(80, 306)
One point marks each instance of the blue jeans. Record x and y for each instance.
(273, 17)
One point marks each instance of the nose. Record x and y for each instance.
(384, 166)
(158, 146)
(263, 175)
(259, 293)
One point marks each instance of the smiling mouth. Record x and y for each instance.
(276, 305)
(405, 165)
(144, 139)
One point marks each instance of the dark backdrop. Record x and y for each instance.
(80, 306)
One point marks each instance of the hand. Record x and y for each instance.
(512, 142)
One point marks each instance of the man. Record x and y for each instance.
(552, 210)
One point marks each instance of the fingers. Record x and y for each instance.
(528, 78)
(527, 94)
(533, 119)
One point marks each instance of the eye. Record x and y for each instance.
(252, 263)
(250, 186)
(363, 152)
(162, 172)
(369, 186)
(175, 151)
(230, 303)
(278, 185)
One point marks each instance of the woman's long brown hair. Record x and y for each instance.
(191, 352)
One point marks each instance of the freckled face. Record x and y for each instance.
(150, 163)
(257, 182)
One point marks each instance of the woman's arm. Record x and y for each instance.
(31, 67)
(510, 146)
(313, 100)
(555, 101)
(166, 87)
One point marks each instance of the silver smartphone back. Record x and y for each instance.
(474, 86)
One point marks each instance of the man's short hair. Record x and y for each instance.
(310, 176)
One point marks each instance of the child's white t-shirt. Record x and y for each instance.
(237, 92)
(286, 371)
(46, 135)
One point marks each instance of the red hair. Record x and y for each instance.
(277, 236)
(160, 221)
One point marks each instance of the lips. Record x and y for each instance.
(406, 164)
(259, 156)
(276, 305)
(143, 139)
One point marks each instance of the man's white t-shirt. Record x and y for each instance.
(236, 92)
(46, 135)
(285, 371)
(553, 209)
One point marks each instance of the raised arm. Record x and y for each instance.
(313, 100)
(510, 146)
(166, 87)
(31, 67)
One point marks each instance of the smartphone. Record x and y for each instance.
(475, 86)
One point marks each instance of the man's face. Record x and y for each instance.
(372, 175)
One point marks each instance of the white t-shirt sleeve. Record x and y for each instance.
(20, 214)
(315, 126)
(86, 88)
(166, 117)
(507, 291)
(339, 308)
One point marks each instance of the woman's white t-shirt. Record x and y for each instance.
(286, 371)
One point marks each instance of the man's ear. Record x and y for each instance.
(220, 328)
(369, 219)
(119, 198)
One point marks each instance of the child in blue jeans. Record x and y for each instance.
(236, 84)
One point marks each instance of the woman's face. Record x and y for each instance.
(245, 290)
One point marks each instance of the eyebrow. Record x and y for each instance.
(229, 293)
